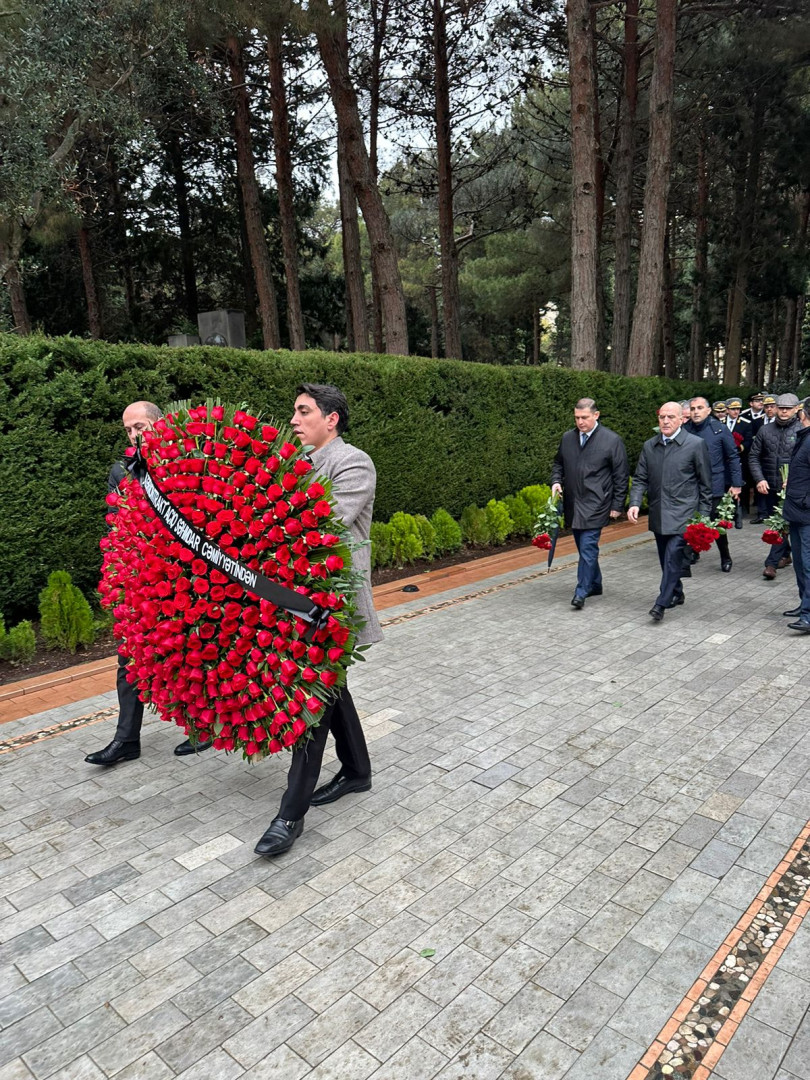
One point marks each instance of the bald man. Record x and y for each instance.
(138, 418)
(675, 472)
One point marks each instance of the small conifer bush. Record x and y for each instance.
(474, 526)
(427, 534)
(382, 551)
(498, 521)
(521, 515)
(406, 542)
(19, 644)
(448, 532)
(66, 619)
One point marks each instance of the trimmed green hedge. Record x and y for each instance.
(441, 432)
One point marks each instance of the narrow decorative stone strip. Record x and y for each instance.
(31, 737)
(442, 604)
(690, 1045)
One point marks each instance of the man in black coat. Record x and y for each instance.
(675, 472)
(138, 418)
(797, 513)
(771, 449)
(591, 471)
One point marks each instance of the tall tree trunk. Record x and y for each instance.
(746, 228)
(796, 366)
(763, 359)
(333, 46)
(16, 292)
(89, 280)
(130, 298)
(656, 192)
(754, 378)
(697, 344)
(625, 159)
(584, 190)
(175, 155)
(284, 186)
(246, 268)
(774, 344)
(451, 301)
(434, 321)
(668, 311)
(788, 336)
(246, 173)
(379, 24)
(352, 264)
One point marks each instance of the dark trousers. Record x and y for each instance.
(670, 555)
(778, 551)
(130, 707)
(588, 573)
(800, 543)
(350, 744)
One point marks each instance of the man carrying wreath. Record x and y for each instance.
(320, 416)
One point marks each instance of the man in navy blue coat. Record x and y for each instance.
(591, 471)
(796, 512)
(725, 463)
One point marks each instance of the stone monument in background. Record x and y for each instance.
(223, 327)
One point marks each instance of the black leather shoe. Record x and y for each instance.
(187, 748)
(757, 521)
(676, 601)
(800, 625)
(337, 787)
(578, 602)
(656, 613)
(279, 837)
(726, 566)
(115, 752)
(596, 591)
(794, 613)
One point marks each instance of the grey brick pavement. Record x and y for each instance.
(570, 809)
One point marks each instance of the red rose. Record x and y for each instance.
(543, 541)
(333, 563)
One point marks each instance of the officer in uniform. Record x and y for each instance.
(755, 409)
(740, 424)
(720, 411)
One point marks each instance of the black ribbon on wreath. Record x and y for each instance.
(211, 553)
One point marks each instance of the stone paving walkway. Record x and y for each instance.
(570, 813)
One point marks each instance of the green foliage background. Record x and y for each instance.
(441, 433)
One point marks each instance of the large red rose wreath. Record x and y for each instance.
(207, 653)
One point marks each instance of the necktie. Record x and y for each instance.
(666, 439)
(583, 438)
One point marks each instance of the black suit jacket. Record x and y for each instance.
(594, 477)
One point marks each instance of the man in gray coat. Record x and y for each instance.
(675, 472)
(591, 471)
(320, 417)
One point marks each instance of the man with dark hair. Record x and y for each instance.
(797, 513)
(320, 415)
(771, 449)
(675, 472)
(138, 418)
(591, 471)
(725, 463)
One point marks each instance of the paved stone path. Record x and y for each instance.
(571, 811)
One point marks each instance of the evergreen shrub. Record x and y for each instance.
(19, 644)
(535, 496)
(474, 526)
(66, 619)
(521, 515)
(382, 551)
(427, 534)
(439, 431)
(499, 522)
(406, 542)
(448, 532)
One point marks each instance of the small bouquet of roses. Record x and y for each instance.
(547, 525)
(776, 528)
(726, 513)
(700, 533)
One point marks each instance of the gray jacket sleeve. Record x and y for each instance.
(354, 480)
(640, 479)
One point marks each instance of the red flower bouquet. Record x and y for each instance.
(219, 509)
(776, 528)
(700, 536)
(738, 438)
(548, 523)
(773, 536)
(542, 541)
